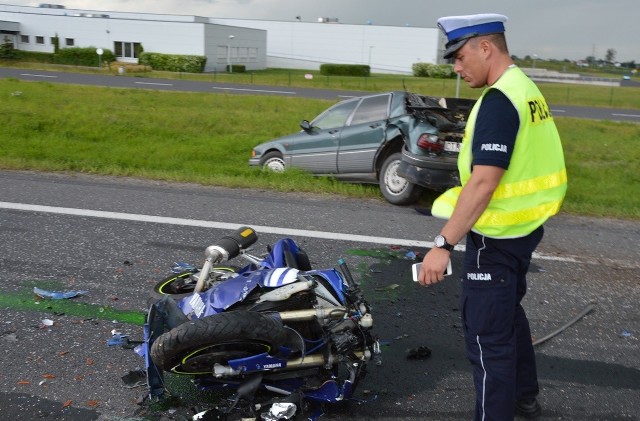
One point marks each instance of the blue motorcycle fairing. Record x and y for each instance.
(277, 257)
(335, 279)
(234, 290)
(260, 362)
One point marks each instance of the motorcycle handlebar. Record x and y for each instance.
(241, 239)
(226, 248)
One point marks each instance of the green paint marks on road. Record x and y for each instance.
(26, 301)
(378, 253)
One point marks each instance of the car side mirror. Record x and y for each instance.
(305, 125)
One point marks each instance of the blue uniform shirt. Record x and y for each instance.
(495, 131)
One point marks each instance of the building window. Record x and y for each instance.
(24, 39)
(69, 42)
(222, 54)
(39, 40)
(52, 40)
(125, 49)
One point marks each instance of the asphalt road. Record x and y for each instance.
(116, 237)
(194, 86)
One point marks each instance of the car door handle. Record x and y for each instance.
(333, 131)
(374, 125)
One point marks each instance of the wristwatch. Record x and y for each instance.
(441, 243)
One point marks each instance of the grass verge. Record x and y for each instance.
(207, 138)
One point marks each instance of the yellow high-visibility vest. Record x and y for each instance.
(533, 187)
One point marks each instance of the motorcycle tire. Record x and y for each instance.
(176, 287)
(196, 346)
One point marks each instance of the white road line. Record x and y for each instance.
(154, 83)
(253, 90)
(558, 111)
(626, 115)
(32, 75)
(232, 226)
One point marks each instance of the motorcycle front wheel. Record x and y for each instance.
(182, 284)
(195, 347)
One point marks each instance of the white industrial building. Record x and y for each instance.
(253, 43)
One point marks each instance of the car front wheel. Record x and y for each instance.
(396, 189)
(273, 161)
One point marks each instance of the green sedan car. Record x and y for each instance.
(381, 138)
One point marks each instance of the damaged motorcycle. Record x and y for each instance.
(299, 336)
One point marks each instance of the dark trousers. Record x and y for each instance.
(496, 329)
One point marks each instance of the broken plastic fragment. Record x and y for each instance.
(182, 266)
(280, 411)
(141, 350)
(46, 322)
(57, 295)
(211, 414)
(123, 341)
(625, 333)
(410, 255)
(118, 339)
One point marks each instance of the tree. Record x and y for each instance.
(6, 49)
(610, 56)
(56, 43)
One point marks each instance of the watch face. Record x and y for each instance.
(439, 241)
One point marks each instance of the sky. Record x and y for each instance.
(546, 29)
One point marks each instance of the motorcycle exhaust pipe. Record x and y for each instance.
(312, 313)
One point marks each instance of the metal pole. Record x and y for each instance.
(229, 54)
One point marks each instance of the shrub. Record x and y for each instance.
(437, 71)
(237, 68)
(33, 56)
(174, 62)
(82, 56)
(345, 70)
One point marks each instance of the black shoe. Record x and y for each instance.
(528, 408)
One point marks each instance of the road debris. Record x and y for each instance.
(57, 295)
(419, 353)
(280, 411)
(588, 309)
(44, 323)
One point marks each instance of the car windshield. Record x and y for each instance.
(335, 116)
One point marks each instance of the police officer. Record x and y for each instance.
(513, 179)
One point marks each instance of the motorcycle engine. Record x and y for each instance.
(345, 341)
